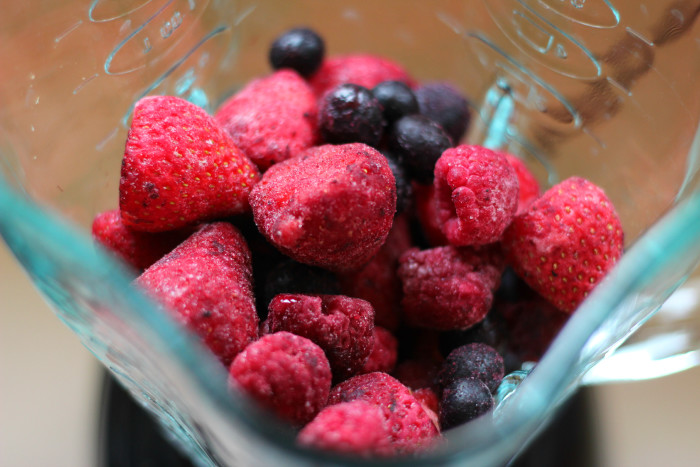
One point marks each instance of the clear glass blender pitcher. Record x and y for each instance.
(604, 89)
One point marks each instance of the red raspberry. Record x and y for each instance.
(427, 212)
(272, 118)
(476, 191)
(332, 206)
(180, 168)
(206, 284)
(377, 282)
(356, 428)
(566, 242)
(139, 249)
(341, 326)
(529, 189)
(287, 374)
(411, 429)
(430, 402)
(361, 69)
(384, 352)
(448, 288)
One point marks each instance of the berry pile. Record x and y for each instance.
(363, 273)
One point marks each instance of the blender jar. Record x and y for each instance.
(603, 89)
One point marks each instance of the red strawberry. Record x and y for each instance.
(206, 283)
(180, 168)
(566, 242)
(529, 189)
(140, 249)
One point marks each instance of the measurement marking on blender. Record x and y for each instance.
(97, 16)
(244, 14)
(100, 146)
(72, 28)
(639, 36)
(80, 87)
(619, 85)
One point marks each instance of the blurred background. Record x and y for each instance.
(50, 396)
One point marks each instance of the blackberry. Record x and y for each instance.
(476, 360)
(418, 142)
(463, 401)
(445, 105)
(300, 49)
(396, 98)
(297, 278)
(351, 114)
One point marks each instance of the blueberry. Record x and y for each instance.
(396, 98)
(351, 114)
(292, 277)
(418, 142)
(491, 331)
(463, 401)
(446, 106)
(300, 49)
(404, 189)
(476, 360)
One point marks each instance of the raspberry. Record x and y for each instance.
(566, 242)
(287, 374)
(427, 213)
(331, 207)
(384, 352)
(355, 427)
(350, 114)
(418, 142)
(206, 283)
(476, 191)
(180, 168)
(462, 401)
(446, 106)
(448, 288)
(396, 99)
(300, 49)
(361, 69)
(272, 118)
(529, 189)
(477, 361)
(411, 429)
(430, 402)
(139, 249)
(341, 326)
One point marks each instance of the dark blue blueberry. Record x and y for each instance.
(418, 142)
(351, 114)
(476, 360)
(300, 49)
(396, 98)
(445, 105)
(292, 277)
(404, 189)
(463, 401)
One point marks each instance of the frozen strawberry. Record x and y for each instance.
(384, 352)
(529, 189)
(356, 428)
(180, 168)
(287, 374)
(206, 284)
(429, 400)
(411, 428)
(272, 118)
(566, 242)
(448, 288)
(331, 206)
(341, 326)
(476, 191)
(361, 69)
(140, 249)
(427, 212)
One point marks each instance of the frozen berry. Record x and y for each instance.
(429, 400)
(491, 331)
(417, 373)
(427, 214)
(448, 288)
(287, 374)
(206, 283)
(361, 69)
(418, 142)
(396, 99)
(528, 188)
(291, 277)
(411, 429)
(356, 428)
(478, 361)
(446, 106)
(384, 352)
(341, 326)
(331, 206)
(404, 188)
(476, 191)
(272, 118)
(350, 114)
(300, 49)
(462, 401)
